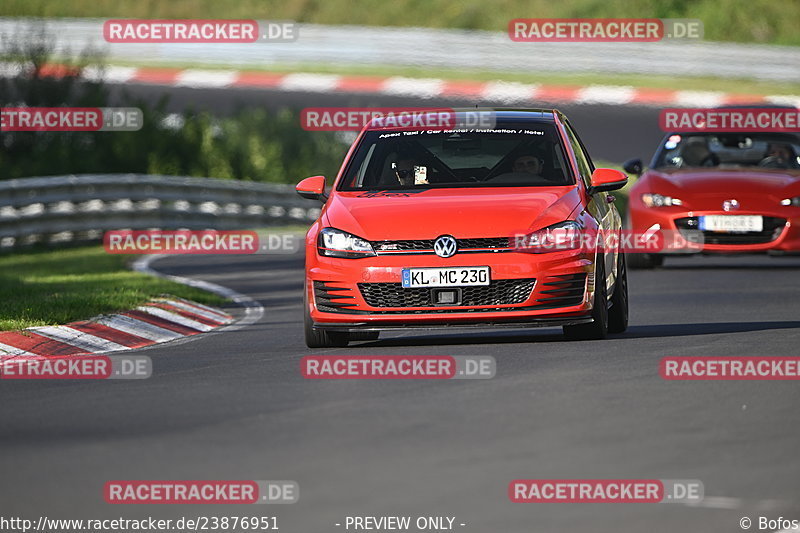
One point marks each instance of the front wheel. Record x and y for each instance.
(618, 314)
(316, 338)
(598, 328)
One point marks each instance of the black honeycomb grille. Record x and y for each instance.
(499, 292)
(427, 245)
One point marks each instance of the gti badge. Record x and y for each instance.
(445, 246)
(730, 205)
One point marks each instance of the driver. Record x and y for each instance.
(695, 153)
(779, 155)
(528, 164)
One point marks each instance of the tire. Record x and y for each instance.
(645, 261)
(598, 328)
(316, 338)
(618, 313)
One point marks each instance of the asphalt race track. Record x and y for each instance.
(233, 405)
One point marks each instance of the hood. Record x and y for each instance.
(708, 181)
(706, 188)
(463, 213)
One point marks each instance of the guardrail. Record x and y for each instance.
(440, 48)
(63, 209)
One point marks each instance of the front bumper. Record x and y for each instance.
(551, 289)
(781, 229)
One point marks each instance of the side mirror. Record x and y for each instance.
(312, 188)
(607, 179)
(633, 166)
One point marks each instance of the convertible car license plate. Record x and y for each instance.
(731, 223)
(445, 277)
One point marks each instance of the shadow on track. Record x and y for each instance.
(634, 332)
(708, 328)
(758, 263)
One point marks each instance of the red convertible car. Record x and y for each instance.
(741, 191)
(417, 232)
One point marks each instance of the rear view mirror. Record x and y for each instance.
(312, 188)
(456, 143)
(633, 166)
(607, 179)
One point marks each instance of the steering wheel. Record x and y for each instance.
(773, 161)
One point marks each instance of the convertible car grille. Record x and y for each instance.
(773, 226)
(499, 292)
(426, 246)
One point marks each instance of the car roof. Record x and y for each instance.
(536, 115)
(502, 116)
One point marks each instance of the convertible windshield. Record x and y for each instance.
(730, 150)
(529, 156)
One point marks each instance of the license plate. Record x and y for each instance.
(732, 223)
(445, 277)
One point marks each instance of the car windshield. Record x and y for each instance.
(529, 156)
(730, 150)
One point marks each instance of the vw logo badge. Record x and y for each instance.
(730, 205)
(445, 246)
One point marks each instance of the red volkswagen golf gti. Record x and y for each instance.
(421, 229)
(740, 190)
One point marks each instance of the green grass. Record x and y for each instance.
(759, 21)
(687, 83)
(46, 287)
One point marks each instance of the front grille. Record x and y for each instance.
(562, 291)
(489, 242)
(773, 226)
(499, 243)
(499, 292)
(403, 246)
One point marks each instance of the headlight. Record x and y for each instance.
(794, 202)
(556, 238)
(337, 243)
(659, 200)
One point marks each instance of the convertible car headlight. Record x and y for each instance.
(556, 238)
(337, 243)
(659, 200)
(794, 202)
